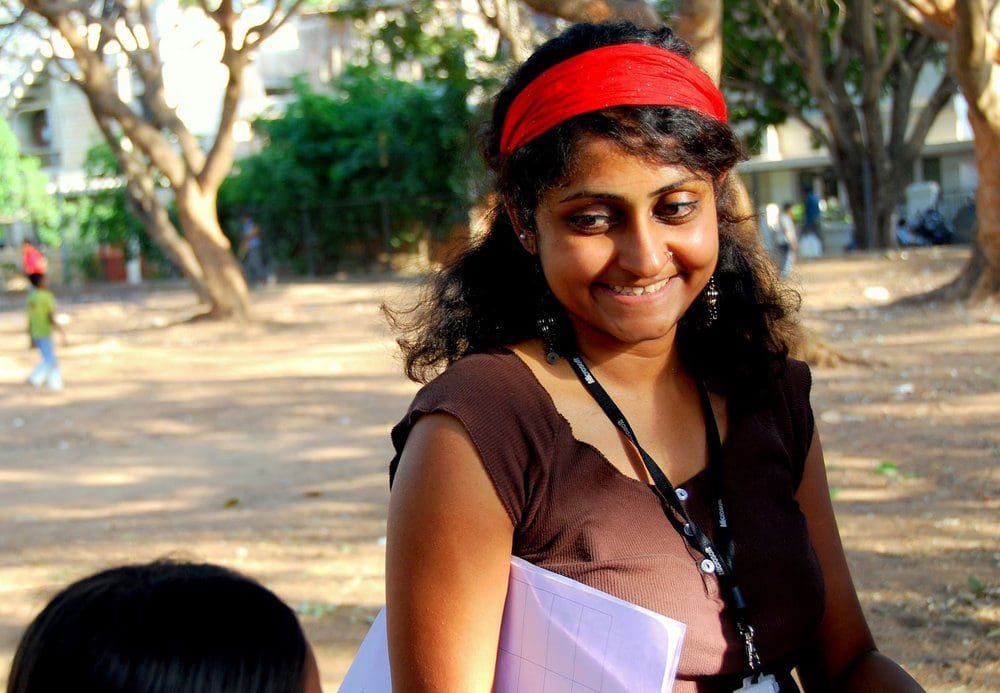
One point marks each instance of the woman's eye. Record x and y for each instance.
(676, 211)
(590, 222)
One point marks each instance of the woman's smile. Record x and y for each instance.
(632, 293)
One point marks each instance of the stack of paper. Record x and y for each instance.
(557, 636)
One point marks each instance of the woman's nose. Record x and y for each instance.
(642, 250)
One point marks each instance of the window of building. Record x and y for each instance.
(931, 169)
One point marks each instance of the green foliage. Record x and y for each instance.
(103, 216)
(377, 152)
(22, 189)
(753, 53)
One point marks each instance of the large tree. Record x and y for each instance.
(974, 47)
(856, 65)
(152, 143)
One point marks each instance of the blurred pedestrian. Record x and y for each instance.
(788, 240)
(42, 321)
(251, 251)
(811, 214)
(32, 259)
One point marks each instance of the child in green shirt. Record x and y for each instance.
(41, 323)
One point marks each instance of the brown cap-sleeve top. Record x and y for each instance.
(574, 513)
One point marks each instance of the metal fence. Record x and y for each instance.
(958, 207)
(327, 236)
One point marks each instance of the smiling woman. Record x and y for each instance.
(626, 245)
(617, 298)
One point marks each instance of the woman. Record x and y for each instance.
(615, 261)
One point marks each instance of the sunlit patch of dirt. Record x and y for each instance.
(264, 446)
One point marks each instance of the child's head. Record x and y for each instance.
(164, 627)
(37, 280)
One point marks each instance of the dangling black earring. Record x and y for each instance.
(546, 330)
(546, 320)
(711, 301)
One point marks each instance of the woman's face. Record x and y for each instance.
(626, 245)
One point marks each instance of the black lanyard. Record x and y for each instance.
(722, 552)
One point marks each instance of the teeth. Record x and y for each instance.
(638, 290)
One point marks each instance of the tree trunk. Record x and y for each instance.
(974, 58)
(142, 202)
(700, 23)
(223, 276)
(980, 278)
(876, 206)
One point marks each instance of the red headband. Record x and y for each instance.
(627, 74)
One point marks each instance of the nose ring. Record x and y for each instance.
(670, 254)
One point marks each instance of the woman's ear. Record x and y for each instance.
(525, 236)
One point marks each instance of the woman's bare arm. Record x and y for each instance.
(844, 656)
(447, 563)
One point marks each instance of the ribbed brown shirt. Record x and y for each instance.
(575, 514)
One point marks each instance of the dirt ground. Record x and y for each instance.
(264, 447)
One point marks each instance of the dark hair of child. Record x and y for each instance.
(37, 279)
(490, 296)
(162, 627)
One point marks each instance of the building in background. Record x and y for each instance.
(790, 162)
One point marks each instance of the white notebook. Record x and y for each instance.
(557, 636)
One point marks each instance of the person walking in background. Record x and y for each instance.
(251, 251)
(32, 259)
(811, 213)
(41, 323)
(788, 241)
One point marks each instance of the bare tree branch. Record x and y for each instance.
(267, 28)
(933, 17)
(220, 157)
(889, 58)
(506, 19)
(636, 11)
(773, 95)
(943, 93)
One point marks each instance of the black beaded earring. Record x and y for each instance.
(711, 302)
(546, 330)
(547, 318)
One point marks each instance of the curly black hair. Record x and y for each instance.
(487, 297)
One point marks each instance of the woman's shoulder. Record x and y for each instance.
(505, 413)
(488, 375)
(493, 390)
(796, 379)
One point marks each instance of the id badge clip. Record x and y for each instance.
(763, 684)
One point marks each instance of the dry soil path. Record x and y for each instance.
(264, 447)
